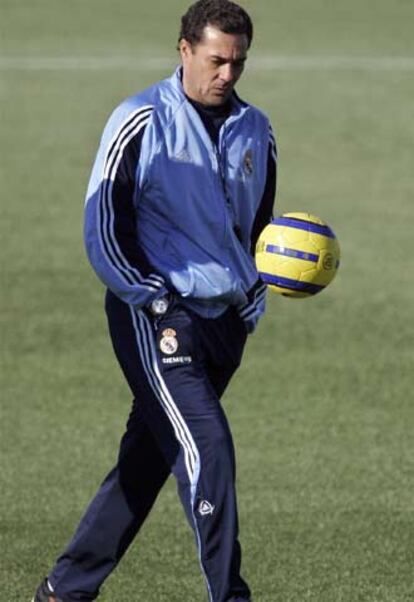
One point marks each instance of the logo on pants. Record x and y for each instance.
(169, 343)
(205, 508)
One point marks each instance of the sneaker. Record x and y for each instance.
(44, 593)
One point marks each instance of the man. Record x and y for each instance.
(183, 183)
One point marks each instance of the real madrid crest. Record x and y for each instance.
(168, 342)
(248, 162)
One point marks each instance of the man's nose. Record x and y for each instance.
(227, 72)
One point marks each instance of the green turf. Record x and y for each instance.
(322, 410)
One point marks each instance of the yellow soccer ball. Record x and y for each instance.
(297, 255)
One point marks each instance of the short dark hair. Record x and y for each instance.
(227, 16)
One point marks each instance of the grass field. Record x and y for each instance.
(322, 409)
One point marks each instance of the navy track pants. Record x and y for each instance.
(177, 368)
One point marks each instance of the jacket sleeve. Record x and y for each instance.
(110, 219)
(251, 311)
(264, 213)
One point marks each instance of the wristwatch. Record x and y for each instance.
(160, 306)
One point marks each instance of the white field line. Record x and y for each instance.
(259, 63)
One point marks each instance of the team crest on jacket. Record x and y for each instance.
(168, 342)
(248, 162)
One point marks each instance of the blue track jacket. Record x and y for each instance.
(168, 210)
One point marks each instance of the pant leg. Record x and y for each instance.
(124, 499)
(228, 335)
(177, 356)
(114, 516)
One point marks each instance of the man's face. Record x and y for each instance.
(212, 67)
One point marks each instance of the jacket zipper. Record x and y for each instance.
(220, 157)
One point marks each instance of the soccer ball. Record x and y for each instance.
(297, 255)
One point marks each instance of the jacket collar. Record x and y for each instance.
(239, 107)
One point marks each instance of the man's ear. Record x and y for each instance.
(185, 48)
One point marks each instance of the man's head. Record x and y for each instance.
(214, 39)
